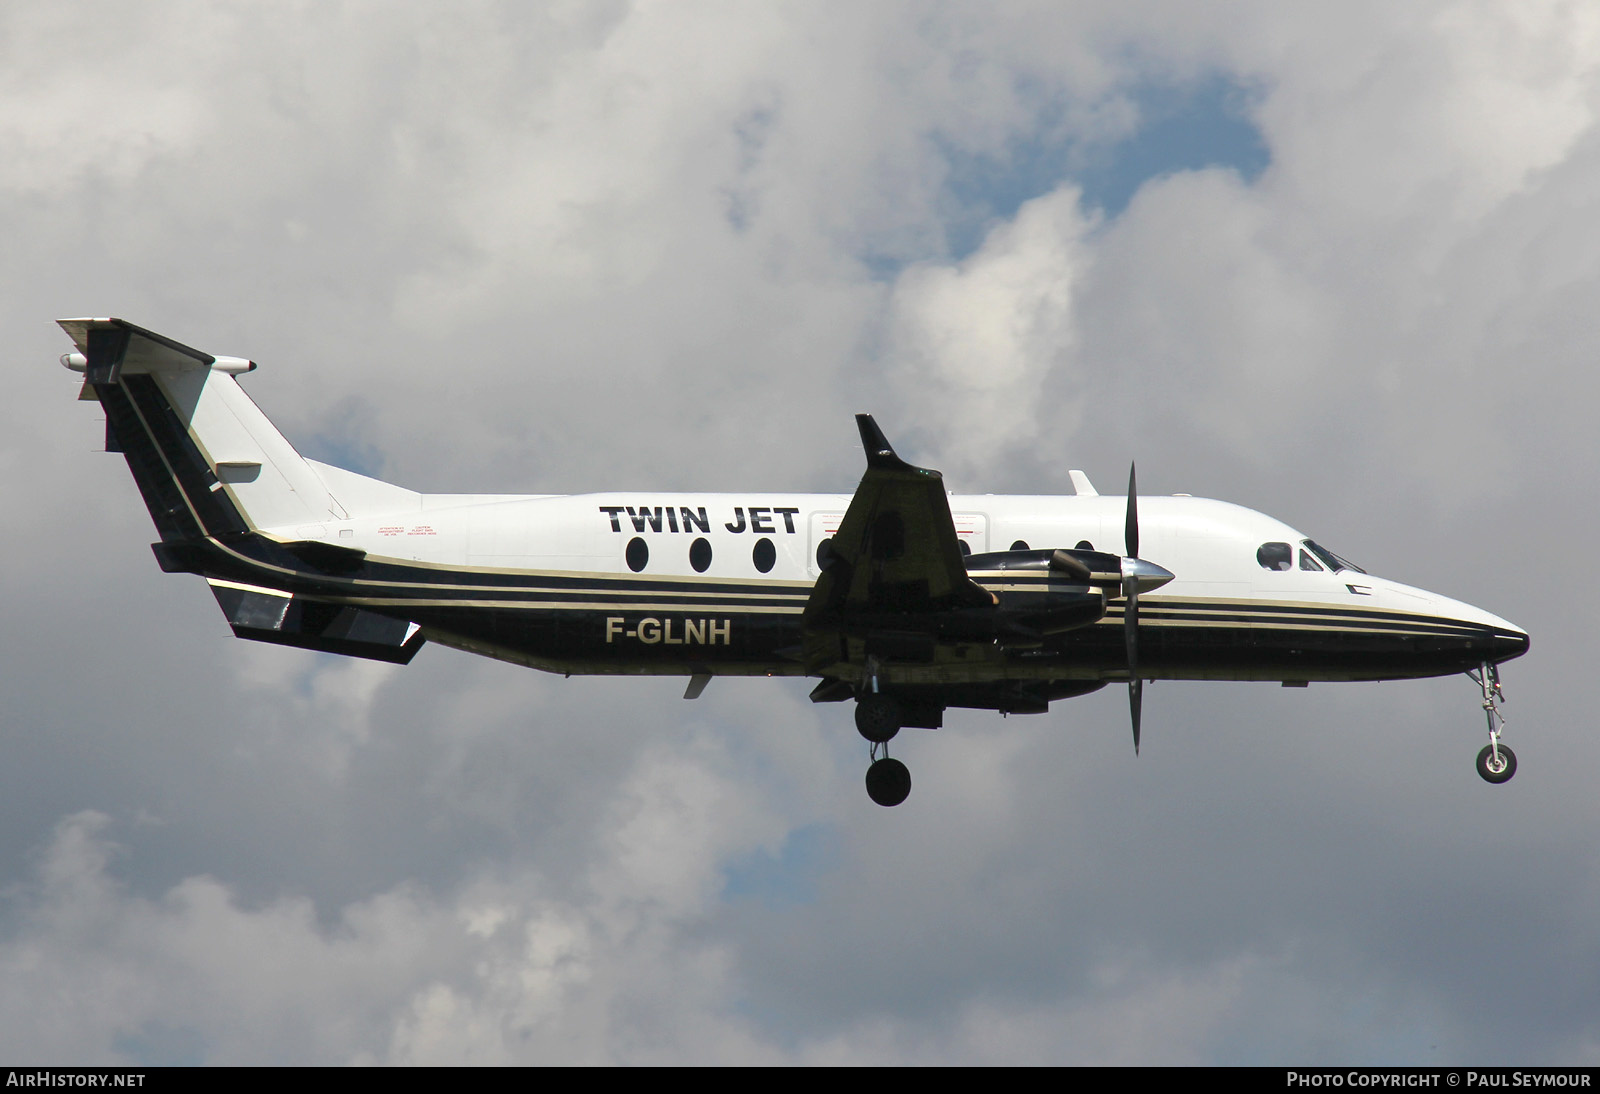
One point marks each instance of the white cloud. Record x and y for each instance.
(502, 972)
(974, 343)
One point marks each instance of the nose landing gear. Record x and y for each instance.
(1496, 762)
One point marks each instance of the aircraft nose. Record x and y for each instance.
(1506, 644)
(1496, 639)
(1480, 635)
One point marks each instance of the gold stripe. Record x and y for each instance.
(219, 583)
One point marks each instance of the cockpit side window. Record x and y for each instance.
(1307, 562)
(1333, 561)
(1275, 556)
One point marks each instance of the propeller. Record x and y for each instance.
(1130, 612)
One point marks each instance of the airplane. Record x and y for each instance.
(900, 597)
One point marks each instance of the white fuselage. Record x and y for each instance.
(1210, 546)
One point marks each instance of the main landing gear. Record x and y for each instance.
(888, 780)
(1496, 763)
(878, 718)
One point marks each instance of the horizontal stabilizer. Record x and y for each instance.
(266, 615)
(330, 558)
(183, 556)
(107, 348)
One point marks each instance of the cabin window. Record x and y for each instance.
(1275, 556)
(638, 554)
(1020, 545)
(1307, 562)
(764, 555)
(1084, 545)
(700, 555)
(966, 548)
(824, 554)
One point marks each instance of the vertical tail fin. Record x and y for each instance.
(213, 470)
(206, 460)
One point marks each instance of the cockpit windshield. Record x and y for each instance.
(1334, 562)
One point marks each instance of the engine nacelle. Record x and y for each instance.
(1045, 592)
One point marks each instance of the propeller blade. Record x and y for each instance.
(1130, 528)
(1130, 613)
(1130, 624)
(1130, 634)
(1135, 697)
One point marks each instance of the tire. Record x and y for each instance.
(1508, 764)
(878, 718)
(888, 782)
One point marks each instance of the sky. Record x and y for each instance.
(1337, 263)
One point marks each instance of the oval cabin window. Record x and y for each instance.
(700, 555)
(638, 554)
(764, 555)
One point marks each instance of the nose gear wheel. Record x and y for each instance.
(1497, 763)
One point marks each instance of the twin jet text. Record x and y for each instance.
(681, 518)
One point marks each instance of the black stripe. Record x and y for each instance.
(1345, 622)
(1268, 607)
(1316, 622)
(1231, 609)
(162, 497)
(217, 512)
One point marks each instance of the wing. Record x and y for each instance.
(894, 568)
